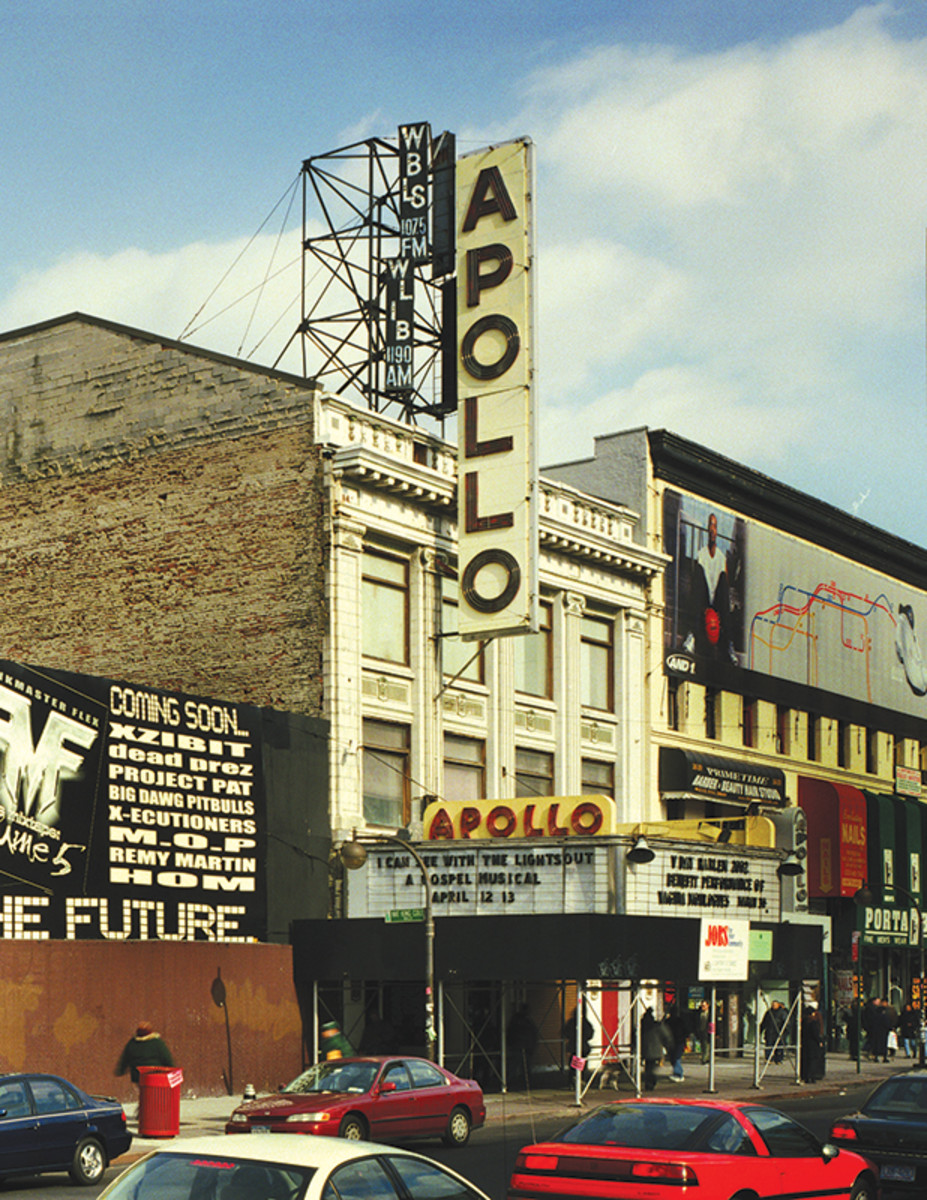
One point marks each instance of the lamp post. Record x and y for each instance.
(866, 896)
(354, 855)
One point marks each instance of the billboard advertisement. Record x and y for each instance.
(741, 595)
(128, 813)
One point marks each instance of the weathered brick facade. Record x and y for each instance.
(162, 509)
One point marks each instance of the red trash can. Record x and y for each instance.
(159, 1101)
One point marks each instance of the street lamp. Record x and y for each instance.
(866, 896)
(354, 855)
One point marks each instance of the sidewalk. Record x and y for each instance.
(733, 1081)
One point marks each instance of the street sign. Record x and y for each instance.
(399, 916)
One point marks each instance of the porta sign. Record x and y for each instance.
(497, 500)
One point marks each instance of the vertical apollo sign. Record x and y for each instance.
(497, 476)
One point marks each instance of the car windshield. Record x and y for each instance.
(173, 1176)
(642, 1126)
(335, 1076)
(904, 1096)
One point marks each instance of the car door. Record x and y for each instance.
(433, 1096)
(392, 1112)
(62, 1119)
(19, 1140)
(795, 1156)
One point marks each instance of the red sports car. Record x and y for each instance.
(374, 1098)
(710, 1149)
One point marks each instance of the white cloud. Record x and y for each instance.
(163, 293)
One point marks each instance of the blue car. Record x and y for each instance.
(48, 1124)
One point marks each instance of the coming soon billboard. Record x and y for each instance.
(129, 813)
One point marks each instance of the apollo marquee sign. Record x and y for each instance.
(497, 478)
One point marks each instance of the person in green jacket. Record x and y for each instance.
(334, 1042)
(145, 1049)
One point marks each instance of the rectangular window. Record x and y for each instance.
(534, 656)
(749, 720)
(843, 743)
(386, 773)
(711, 713)
(598, 778)
(672, 704)
(597, 663)
(872, 751)
(385, 607)
(783, 729)
(534, 773)
(813, 737)
(460, 659)
(464, 768)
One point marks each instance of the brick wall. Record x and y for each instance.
(69, 1008)
(162, 516)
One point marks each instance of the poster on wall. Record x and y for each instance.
(724, 949)
(127, 813)
(743, 596)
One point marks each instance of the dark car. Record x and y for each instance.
(377, 1097)
(891, 1129)
(48, 1124)
(705, 1149)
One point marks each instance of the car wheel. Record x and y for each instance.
(353, 1127)
(864, 1189)
(458, 1128)
(89, 1162)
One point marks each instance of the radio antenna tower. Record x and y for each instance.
(378, 288)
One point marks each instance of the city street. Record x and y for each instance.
(488, 1159)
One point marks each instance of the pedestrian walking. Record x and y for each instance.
(679, 1036)
(772, 1027)
(334, 1042)
(813, 1054)
(702, 1027)
(655, 1041)
(908, 1026)
(145, 1048)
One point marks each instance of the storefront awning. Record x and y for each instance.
(687, 773)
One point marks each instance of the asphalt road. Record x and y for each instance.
(488, 1159)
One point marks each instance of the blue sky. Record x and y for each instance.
(732, 197)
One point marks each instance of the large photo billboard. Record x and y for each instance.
(743, 596)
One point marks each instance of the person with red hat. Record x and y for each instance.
(144, 1049)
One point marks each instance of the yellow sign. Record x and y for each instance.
(525, 817)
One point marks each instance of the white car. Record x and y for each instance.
(287, 1167)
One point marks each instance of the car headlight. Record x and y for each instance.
(310, 1116)
(239, 1118)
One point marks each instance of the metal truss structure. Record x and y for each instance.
(356, 190)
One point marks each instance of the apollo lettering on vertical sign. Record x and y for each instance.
(497, 479)
(414, 155)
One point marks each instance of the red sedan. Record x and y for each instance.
(710, 1149)
(374, 1098)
